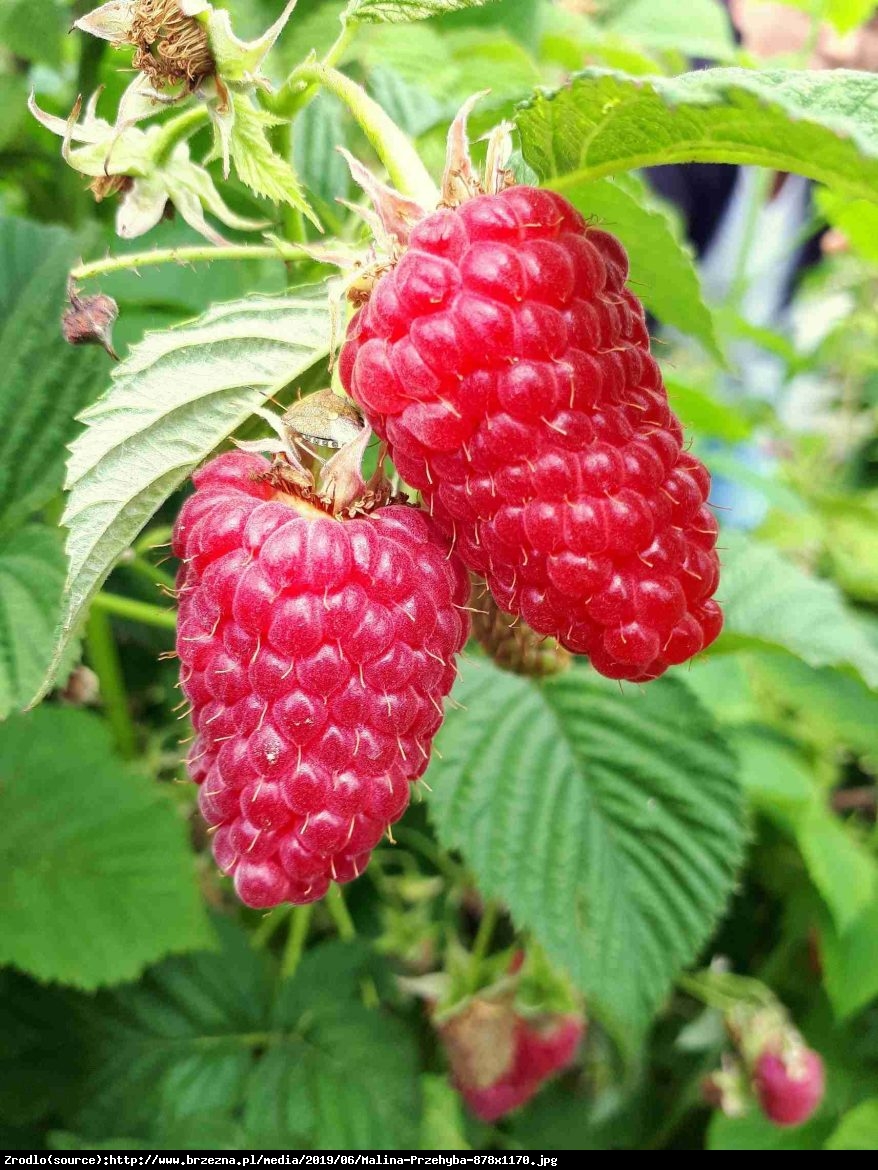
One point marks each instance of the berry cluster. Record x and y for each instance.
(315, 652)
(507, 365)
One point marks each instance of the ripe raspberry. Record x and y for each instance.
(315, 652)
(789, 1088)
(508, 367)
(500, 1059)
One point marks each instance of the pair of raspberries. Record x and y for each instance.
(506, 365)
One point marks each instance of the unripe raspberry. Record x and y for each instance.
(507, 365)
(510, 641)
(789, 1086)
(315, 651)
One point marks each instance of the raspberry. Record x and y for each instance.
(507, 366)
(315, 652)
(789, 1088)
(500, 1059)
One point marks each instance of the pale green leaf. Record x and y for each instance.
(857, 1130)
(610, 823)
(697, 28)
(663, 272)
(98, 877)
(707, 415)
(176, 396)
(256, 163)
(402, 11)
(857, 218)
(849, 960)
(770, 603)
(31, 594)
(45, 381)
(780, 786)
(823, 124)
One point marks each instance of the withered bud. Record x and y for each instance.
(172, 48)
(89, 320)
(511, 642)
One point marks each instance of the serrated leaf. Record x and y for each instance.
(610, 824)
(45, 381)
(256, 163)
(31, 592)
(663, 271)
(176, 396)
(98, 877)
(857, 1130)
(770, 603)
(823, 124)
(215, 1038)
(403, 11)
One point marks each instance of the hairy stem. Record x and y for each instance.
(482, 942)
(104, 659)
(300, 924)
(135, 611)
(395, 149)
(194, 254)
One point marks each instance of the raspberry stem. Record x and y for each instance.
(482, 942)
(340, 915)
(300, 923)
(194, 254)
(104, 658)
(395, 149)
(135, 611)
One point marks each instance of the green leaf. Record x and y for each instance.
(698, 28)
(857, 1130)
(402, 11)
(442, 1126)
(756, 1132)
(32, 29)
(850, 962)
(663, 271)
(214, 1036)
(31, 593)
(256, 163)
(770, 603)
(706, 415)
(173, 399)
(857, 218)
(98, 877)
(783, 790)
(610, 824)
(847, 15)
(821, 124)
(45, 381)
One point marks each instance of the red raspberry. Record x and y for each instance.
(507, 365)
(315, 652)
(540, 1050)
(789, 1088)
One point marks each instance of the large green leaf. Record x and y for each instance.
(858, 1129)
(821, 124)
(770, 603)
(175, 397)
(850, 962)
(663, 271)
(31, 591)
(610, 824)
(402, 11)
(214, 1038)
(98, 879)
(45, 382)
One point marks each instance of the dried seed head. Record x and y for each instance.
(172, 48)
(89, 320)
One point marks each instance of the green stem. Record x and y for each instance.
(300, 923)
(104, 658)
(293, 97)
(340, 914)
(482, 942)
(194, 254)
(395, 149)
(151, 572)
(158, 536)
(135, 611)
(177, 130)
(269, 924)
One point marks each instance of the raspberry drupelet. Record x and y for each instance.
(507, 365)
(315, 652)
